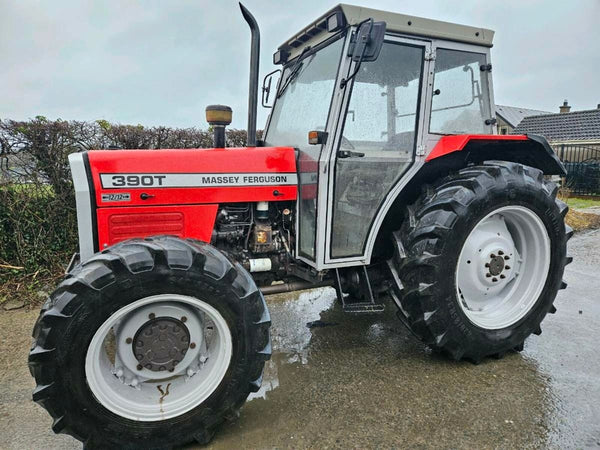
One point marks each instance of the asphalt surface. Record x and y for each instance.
(363, 381)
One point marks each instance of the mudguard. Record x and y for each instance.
(532, 150)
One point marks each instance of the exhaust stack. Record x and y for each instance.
(253, 82)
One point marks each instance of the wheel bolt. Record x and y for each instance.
(193, 345)
(506, 257)
(488, 274)
(184, 319)
(502, 276)
(128, 341)
(151, 316)
(507, 267)
(494, 279)
(500, 252)
(492, 256)
(139, 367)
(487, 264)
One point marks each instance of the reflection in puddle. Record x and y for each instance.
(290, 334)
(270, 381)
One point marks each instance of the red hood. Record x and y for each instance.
(185, 176)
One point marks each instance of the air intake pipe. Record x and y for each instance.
(253, 82)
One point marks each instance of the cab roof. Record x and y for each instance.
(316, 32)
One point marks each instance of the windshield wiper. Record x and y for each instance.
(294, 71)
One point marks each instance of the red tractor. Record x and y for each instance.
(379, 172)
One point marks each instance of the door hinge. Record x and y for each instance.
(430, 55)
(420, 150)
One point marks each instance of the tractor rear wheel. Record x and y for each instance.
(480, 257)
(150, 344)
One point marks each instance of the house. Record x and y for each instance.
(575, 137)
(508, 117)
(565, 127)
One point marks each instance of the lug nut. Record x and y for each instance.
(507, 267)
(488, 274)
(193, 345)
(203, 359)
(500, 252)
(128, 341)
(506, 257)
(502, 276)
(151, 316)
(184, 319)
(139, 367)
(487, 264)
(190, 372)
(172, 369)
(494, 279)
(492, 256)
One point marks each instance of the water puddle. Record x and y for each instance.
(364, 381)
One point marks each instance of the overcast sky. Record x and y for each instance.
(161, 62)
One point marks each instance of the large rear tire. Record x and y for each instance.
(480, 257)
(151, 344)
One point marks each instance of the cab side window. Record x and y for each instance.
(459, 103)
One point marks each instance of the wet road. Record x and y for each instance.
(363, 381)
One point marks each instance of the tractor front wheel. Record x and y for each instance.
(150, 344)
(480, 258)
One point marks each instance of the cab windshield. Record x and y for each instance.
(304, 97)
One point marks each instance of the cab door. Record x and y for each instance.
(377, 143)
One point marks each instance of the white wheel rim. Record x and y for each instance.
(118, 383)
(502, 267)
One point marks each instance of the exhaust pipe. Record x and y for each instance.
(253, 82)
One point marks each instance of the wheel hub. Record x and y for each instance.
(496, 265)
(161, 343)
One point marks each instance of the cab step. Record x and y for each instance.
(359, 307)
(363, 307)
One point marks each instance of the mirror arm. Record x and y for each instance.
(267, 90)
(345, 81)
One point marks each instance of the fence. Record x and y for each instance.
(583, 168)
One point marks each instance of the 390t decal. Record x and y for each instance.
(130, 180)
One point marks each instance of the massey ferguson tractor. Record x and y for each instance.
(379, 173)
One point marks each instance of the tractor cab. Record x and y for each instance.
(376, 91)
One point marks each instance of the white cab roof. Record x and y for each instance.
(316, 32)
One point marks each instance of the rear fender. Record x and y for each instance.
(531, 150)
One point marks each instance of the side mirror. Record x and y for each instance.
(367, 41)
(267, 85)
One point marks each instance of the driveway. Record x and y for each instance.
(364, 381)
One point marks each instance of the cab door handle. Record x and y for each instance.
(349, 154)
